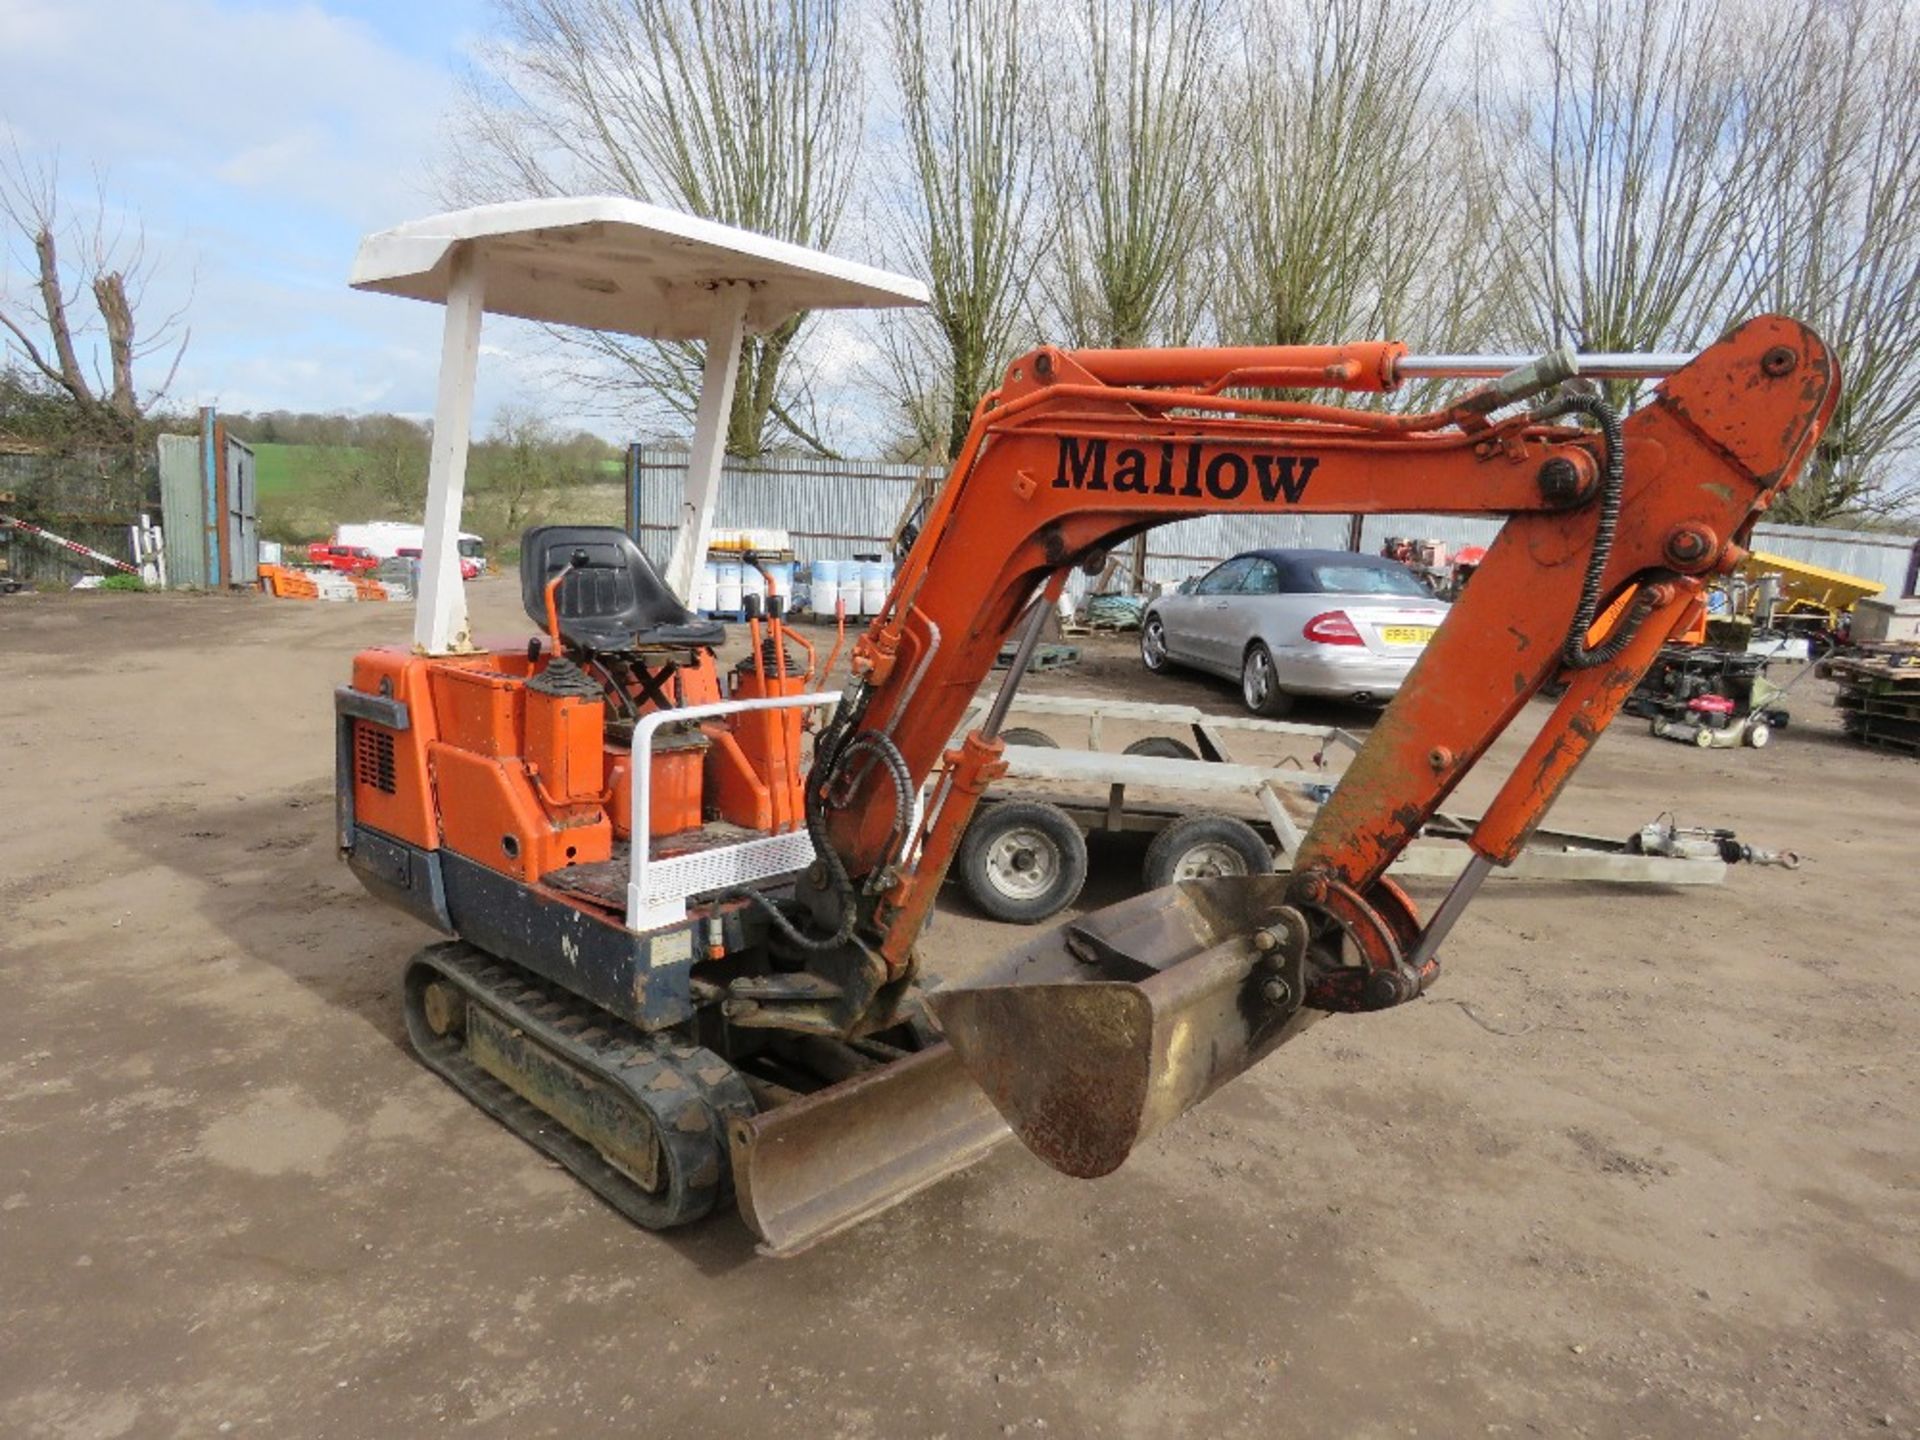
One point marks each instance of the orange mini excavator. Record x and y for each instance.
(687, 897)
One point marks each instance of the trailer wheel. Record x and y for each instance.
(1027, 735)
(1202, 846)
(1022, 861)
(1162, 747)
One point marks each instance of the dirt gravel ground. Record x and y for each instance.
(1646, 1164)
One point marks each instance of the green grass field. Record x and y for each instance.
(287, 470)
(296, 499)
(281, 471)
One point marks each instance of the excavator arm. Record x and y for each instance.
(1157, 1001)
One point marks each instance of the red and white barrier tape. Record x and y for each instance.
(66, 544)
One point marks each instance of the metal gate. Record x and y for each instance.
(242, 505)
(211, 506)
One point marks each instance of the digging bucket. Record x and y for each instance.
(1106, 1029)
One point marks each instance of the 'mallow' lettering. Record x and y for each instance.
(1081, 469)
(1282, 478)
(1284, 475)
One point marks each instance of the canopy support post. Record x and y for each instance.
(709, 439)
(440, 611)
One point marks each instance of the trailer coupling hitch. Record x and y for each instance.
(1705, 842)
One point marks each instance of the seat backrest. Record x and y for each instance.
(611, 598)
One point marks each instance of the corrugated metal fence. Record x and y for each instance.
(833, 509)
(1870, 554)
(183, 494)
(211, 506)
(91, 500)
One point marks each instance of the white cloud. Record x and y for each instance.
(182, 90)
(257, 142)
(256, 146)
(264, 164)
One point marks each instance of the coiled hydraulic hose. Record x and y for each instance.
(1613, 479)
(896, 765)
(831, 754)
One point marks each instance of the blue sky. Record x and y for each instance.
(257, 142)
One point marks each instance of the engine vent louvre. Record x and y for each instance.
(373, 758)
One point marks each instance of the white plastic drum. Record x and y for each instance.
(825, 587)
(705, 584)
(876, 578)
(726, 588)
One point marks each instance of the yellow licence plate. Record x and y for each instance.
(1406, 634)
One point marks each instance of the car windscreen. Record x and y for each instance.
(1368, 580)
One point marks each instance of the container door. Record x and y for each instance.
(243, 515)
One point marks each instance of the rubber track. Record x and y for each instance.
(687, 1092)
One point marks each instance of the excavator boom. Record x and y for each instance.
(1108, 1027)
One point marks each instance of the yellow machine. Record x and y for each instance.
(1803, 593)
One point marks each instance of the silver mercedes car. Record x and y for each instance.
(1286, 623)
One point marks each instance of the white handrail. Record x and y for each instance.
(640, 914)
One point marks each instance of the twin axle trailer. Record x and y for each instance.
(1211, 811)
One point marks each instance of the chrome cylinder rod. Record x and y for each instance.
(1029, 642)
(1597, 366)
(1451, 908)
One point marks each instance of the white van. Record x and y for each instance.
(388, 538)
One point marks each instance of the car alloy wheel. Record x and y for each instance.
(1153, 644)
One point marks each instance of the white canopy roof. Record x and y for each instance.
(621, 265)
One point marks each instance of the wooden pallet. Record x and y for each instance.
(1879, 695)
(1879, 739)
(1882, 707)
(1884, 732)
(1895, 664)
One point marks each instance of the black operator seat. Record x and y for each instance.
(611, 600)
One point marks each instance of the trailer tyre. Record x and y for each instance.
(1162, 747)
(1022, 861)
(1026, 735)
(1202, 846)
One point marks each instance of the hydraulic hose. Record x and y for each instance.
(1613, 479)
(896, 765)
(830, 756)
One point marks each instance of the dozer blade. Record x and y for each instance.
(1108, 1028)
(812, 1168)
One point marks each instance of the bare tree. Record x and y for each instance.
(964, 208)
(69, 256)
(1133, 169)
(744, 111)
(515, 472)
(1835, 232)
(1635, 161)
(1342, 202)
